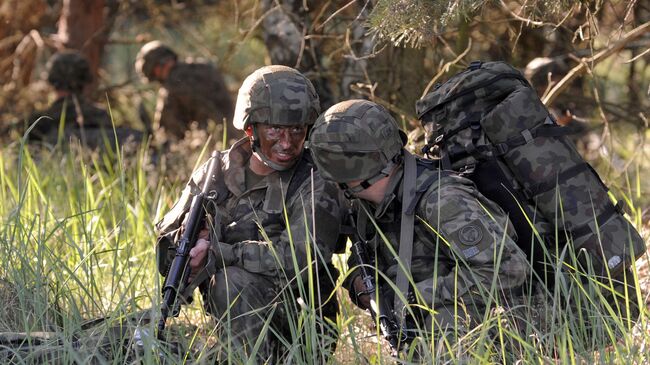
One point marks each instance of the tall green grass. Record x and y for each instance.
(77, 243)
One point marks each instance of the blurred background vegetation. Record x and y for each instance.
(88, 216)
(389, 51)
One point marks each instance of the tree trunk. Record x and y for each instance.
(85, 25)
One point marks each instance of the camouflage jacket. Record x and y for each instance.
(255, 234)
(192, 92)
(97, 131)
(458, 234)
(91, 117)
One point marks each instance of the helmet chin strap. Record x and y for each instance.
(258, 151)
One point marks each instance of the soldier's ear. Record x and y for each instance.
(249, 131)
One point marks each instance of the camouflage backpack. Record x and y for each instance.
(489, 124)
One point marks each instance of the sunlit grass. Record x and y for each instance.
(77, 242)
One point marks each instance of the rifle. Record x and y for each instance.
(176, 280)
(382, 312)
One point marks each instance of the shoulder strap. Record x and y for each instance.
(302, 171)
(406, 232)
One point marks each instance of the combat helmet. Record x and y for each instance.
(68, 71)
(356, 140)
(276, 95)
(150, 55)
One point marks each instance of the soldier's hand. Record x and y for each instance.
(363, 299)
(199, 253)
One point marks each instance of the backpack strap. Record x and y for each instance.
(422, 188)
(547, 129)
(406, 232)
(302, 171)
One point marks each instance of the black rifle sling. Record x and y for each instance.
(406, 234)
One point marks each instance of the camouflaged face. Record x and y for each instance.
(277, 95)
(68, 71)
(354, 140)
(150, 55)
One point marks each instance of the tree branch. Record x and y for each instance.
(600, 56)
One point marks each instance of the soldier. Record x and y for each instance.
(189, 92)
(277, 219)
(462, 243)
(69, 73)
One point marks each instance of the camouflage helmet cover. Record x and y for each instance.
(69, 71)
(151, 55)
(277, 95)
(355, 140)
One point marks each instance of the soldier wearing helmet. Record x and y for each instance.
(190, 92)
(277, 218)
(456, 231)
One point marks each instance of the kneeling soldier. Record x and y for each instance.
(450, 251)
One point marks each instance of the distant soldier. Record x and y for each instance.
(68, 72)
(190, 92)
(460, 244)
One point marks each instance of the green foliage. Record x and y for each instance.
(412, 22)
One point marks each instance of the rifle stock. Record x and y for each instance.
(179, 270)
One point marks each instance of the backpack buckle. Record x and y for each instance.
(501, 149)
(475, 65)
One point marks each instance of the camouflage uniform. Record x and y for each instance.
(259, 266)
(462, 241)
(192, 92)
(91, 117)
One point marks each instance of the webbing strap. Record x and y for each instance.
(545, 186)
(421, 189)
(406, 233)
(600, 220)
(546, 130)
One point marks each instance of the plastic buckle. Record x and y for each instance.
(501, 149)
(475, 65)
(439, 139)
